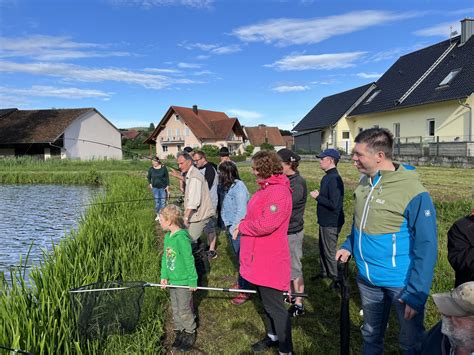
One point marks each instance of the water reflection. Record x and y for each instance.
(38, 214)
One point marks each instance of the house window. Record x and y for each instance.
(345, 134)
(372, 97)
(178, 147)
(177, 132)
(176, 117)
(431, 127)
(170, 132)
(450, 77)
(330, 134)
(186, 132)
(165, 148)
(396, 130)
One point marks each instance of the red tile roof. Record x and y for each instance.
(257, 135)
(131, 134)
(204, 124)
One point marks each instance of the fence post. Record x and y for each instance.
(421, 146)
(437, 146)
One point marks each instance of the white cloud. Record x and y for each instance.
(290, 88)
(148, 4)
(188, 65)
(285, 31)
(159, 70)
(203, 72)
(71, 72)
(318, 61)
(213, 48)
(52, 48)
(369, 75)
(244, 114)
(439, 30)
(50, 91)
(203, 57)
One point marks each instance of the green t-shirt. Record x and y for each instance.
(177, 263)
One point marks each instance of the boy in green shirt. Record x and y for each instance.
(177, 268)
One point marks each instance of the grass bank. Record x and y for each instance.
(113, 241)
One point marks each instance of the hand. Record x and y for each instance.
(192, 289)
(235, 234)
(409, 312)
(186, 221)
(342, 255)
(314, 194)
(164, 283)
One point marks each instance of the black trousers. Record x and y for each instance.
(276, 317)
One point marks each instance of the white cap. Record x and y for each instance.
(458, 302)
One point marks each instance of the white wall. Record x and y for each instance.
(93, 127)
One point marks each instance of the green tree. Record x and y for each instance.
(210, 150)
(152, 127)
(267, 146)
(249, 149)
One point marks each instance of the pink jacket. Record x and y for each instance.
(264, 252)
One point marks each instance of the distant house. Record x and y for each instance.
(289, 141)
(425, 97)
(130, 134)
(195, 127)
(326, 125)
(264, 134)
(82, 133)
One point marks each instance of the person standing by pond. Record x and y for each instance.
(233, 196)
(264, 252)
(290, 163)
(158, 180)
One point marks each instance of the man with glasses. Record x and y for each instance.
(209, 172)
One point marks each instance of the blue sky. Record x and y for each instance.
(267, 61)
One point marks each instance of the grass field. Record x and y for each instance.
(223, 328)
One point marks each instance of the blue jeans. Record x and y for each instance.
(376, 304)
(243, 284)
(160, 198)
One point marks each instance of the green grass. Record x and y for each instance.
(119, 241)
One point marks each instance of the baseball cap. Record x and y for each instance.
(288, 156)
(224, 152)
(458, 302)
(333, 153)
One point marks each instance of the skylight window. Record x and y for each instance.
(372, 97)
(450, 77)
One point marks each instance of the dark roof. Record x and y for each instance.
(37, 126)
(258, 134)
(130, 134)
(204, 124)
(330, 109)
(409, 68)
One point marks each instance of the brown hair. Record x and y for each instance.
(267, 163)
(173, 214)
(377, 139)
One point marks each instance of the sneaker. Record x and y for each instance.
(211, 254)
(187, 341)
(296, 310)
(240, 299)
(177, 340)
(264, 344)
(290, 300)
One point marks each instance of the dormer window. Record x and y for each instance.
(450, 77)
(372, 97)
(177, 117)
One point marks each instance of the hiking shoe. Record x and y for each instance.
(296, 310)
(177, 340)
(264, 344)
(187, 341)
(240, 299)
(290, 300)
(211, 254)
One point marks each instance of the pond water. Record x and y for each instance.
(37, 215)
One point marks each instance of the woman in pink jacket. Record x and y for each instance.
(264, 252)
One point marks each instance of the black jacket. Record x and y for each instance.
(299, 195)
(461, 249)
(330, 200)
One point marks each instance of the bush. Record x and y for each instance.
(210, 150)
(267, 146)
(249, 149)
(237, 158)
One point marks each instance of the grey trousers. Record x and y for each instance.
(327, 251)
(183, 315)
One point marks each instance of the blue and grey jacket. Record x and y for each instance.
(394, 238)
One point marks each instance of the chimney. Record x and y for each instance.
(467, 29)
(195, 109)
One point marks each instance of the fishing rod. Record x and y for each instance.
(149, 284)
(174, 167)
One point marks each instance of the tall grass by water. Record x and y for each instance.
(113, 241)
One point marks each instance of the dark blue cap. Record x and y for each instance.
(333, 153)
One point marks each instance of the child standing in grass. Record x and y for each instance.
(177, 268)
